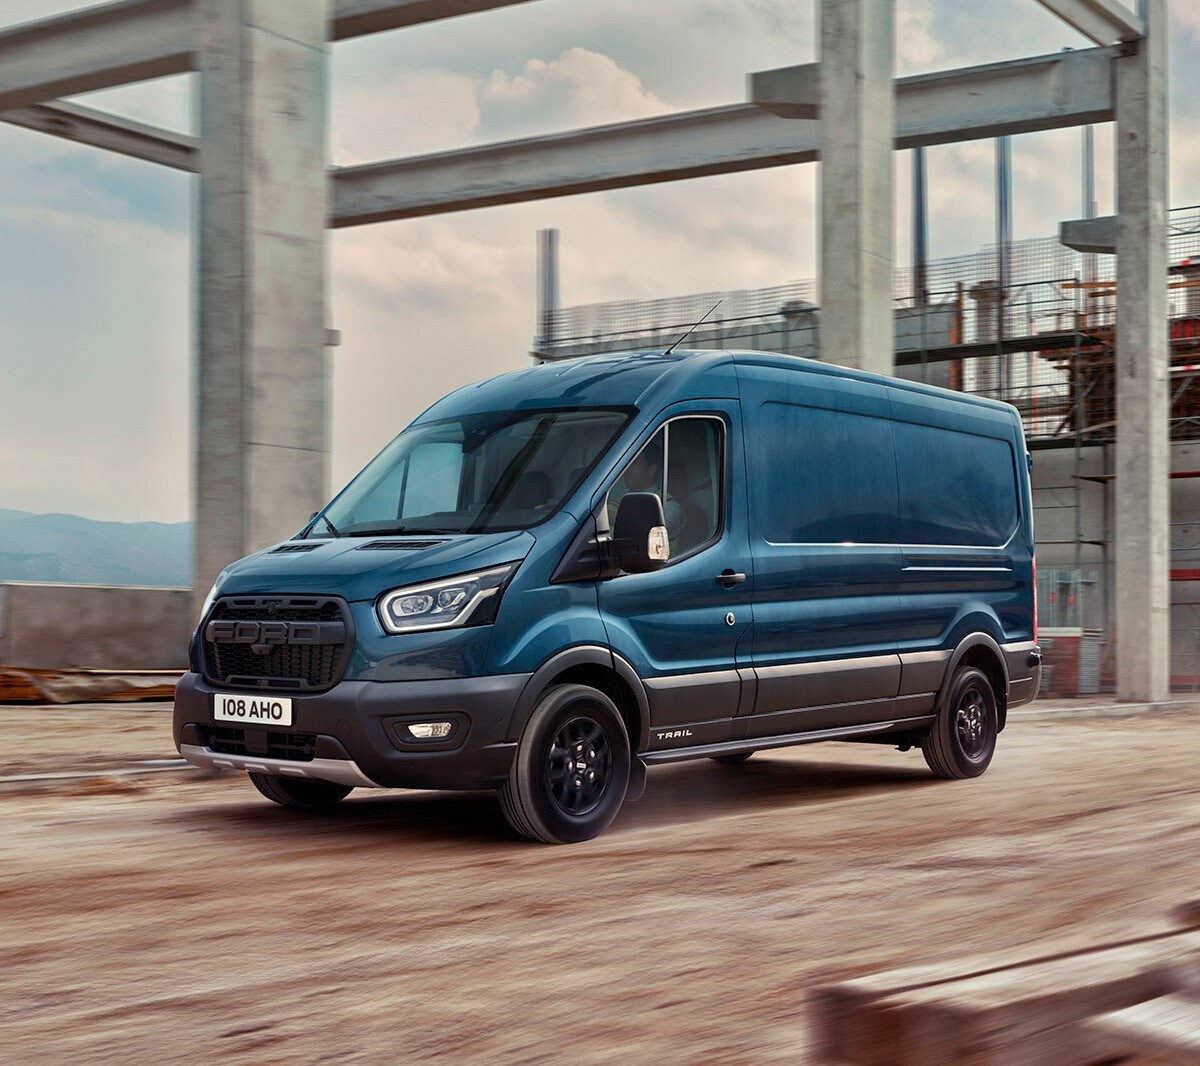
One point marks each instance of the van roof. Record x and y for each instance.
(617, 379)
(623, 379)
(796, 362)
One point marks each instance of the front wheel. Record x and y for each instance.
(302, 793)
(963, 739)
(571, 770)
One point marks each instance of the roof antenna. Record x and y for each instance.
(691, 328)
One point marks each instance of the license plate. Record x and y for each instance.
(252, 710)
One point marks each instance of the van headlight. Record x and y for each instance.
(468, 599)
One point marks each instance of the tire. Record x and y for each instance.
(301, 793)
(732, 760)
(544, 798)
(963, 739)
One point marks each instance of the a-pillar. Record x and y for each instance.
(857, 132)
(1142, 487)
(261, 449)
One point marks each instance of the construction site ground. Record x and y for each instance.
(149, 912)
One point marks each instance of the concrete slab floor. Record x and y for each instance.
(407, 927)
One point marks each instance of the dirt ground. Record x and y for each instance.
(181, 918)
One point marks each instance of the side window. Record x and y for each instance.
(955, 488)
(823, 477)
(683, 463)
(694, 466)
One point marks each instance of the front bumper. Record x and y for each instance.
(358, 739)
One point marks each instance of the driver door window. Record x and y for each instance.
(683, 465)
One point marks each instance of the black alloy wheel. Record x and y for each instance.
(970, 723)
(963, 739)
(571, 769)
(579, 767)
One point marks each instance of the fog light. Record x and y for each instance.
(430, 730)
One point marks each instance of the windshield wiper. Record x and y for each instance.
(332, 528)
(392, 530)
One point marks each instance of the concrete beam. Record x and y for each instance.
(133, 40)
(1092, 236)
(1051, 92)
(995, 100)
(261, 447)
(355, 18)
(1142, 504)
(100, 130)
(95, 48)
(1100, 21)
(789, 92)
(858, 104)
(687, 145)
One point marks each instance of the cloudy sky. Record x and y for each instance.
(95, 254)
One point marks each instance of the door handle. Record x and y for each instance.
(729, 578)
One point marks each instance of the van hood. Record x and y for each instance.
(360, 568)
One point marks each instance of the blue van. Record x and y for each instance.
(559, 577)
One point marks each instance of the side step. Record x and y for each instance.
(734, 747)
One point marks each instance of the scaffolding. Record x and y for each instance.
(1044, 342)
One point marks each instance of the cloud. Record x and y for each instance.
(578, 88)
(94, 412)
(96, 272)
(406, 113)
(1186, 16)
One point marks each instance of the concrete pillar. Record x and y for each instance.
(1088, 190)
(920, 231)
(261, 448)
(1142, 499)
(547, 288)
(857, 133)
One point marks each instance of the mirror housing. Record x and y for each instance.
(640, 540)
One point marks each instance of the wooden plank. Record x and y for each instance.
(1167, 1027)
(979, 1020)
(972, 1011)
(75, 686)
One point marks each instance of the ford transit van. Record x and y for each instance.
(560, 577)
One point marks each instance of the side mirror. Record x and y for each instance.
(640, 533)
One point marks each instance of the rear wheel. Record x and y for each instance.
(963, 739)
(304, 793)
(571, 770)
(732, 760)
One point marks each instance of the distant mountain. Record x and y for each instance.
(75, 550)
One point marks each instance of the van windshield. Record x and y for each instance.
(480, 473)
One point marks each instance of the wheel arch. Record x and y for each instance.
(599, 668)
(981, 651)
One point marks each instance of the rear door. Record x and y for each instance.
(680, 627)
(823, 498)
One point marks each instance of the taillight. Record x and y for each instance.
(1034, 561)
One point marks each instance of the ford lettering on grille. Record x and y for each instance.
(266, 635)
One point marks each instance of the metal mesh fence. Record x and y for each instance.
(1044, 344)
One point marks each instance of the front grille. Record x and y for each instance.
(230, 740)
(276, 666)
